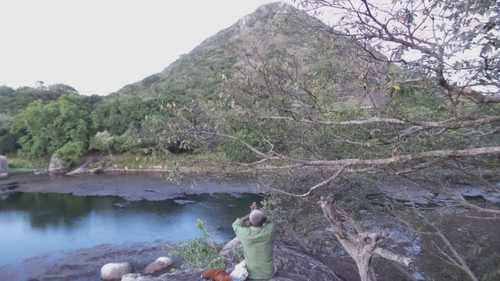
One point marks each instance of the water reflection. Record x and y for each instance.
(32, 224)
(46, 210)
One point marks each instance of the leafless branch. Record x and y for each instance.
(448, 124)
(475, 207)
(462, 264)
(401, 158)
(423, 165)
(325, 182)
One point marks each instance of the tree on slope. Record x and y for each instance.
(439, 110)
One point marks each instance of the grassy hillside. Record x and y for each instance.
(275, 30)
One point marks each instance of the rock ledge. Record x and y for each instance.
(290, 265)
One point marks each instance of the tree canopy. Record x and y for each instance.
(427, 97)
(60, 124)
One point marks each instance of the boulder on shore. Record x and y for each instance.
(84, 169)
(115, 271)
(56, 165)
(158, 265)
(3, 166)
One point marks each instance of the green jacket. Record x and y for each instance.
(258, 248)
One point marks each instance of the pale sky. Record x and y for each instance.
(99, 46)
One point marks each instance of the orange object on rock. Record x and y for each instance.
(216, 274)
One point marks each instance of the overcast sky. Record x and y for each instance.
(99, 46)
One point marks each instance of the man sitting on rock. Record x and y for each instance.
(257, 240)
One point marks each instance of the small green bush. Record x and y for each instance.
(201, 252)
(71, 152)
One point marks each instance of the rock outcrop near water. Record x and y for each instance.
(85, 168)
(56, 165)
(290, 265)
(3, 167)
(158, 265)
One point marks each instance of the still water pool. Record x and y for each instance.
(32, 224)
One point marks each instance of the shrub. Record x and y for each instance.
(102, 141)
(201, 252)
(70, 152)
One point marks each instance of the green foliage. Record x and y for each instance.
(124, 143)
(102, 141)
(70, 152)
(417, 105)
(201, 252)
(11, 102)
(45, 128)
(116, 116)
(14, 101)
(8, 142)
(154, 133)
(238, 152)
(197, 76)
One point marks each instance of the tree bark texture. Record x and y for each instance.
(361, 246)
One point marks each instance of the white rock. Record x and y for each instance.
(115, 271)
(158, 265)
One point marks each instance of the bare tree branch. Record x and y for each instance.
(388, 255)
(423, 165)
(325, 182)
(475, 207)
(448, 124)
(356, 162)
(463, 265)
(402, 158)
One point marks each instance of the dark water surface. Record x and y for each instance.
(32, 224)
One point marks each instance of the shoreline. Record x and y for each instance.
(129, 184)
(82, 264)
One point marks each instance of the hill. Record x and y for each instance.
(271, 32)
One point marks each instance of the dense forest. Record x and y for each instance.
(320, 113)
(40, 121)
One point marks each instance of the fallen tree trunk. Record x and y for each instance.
(361, 246)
